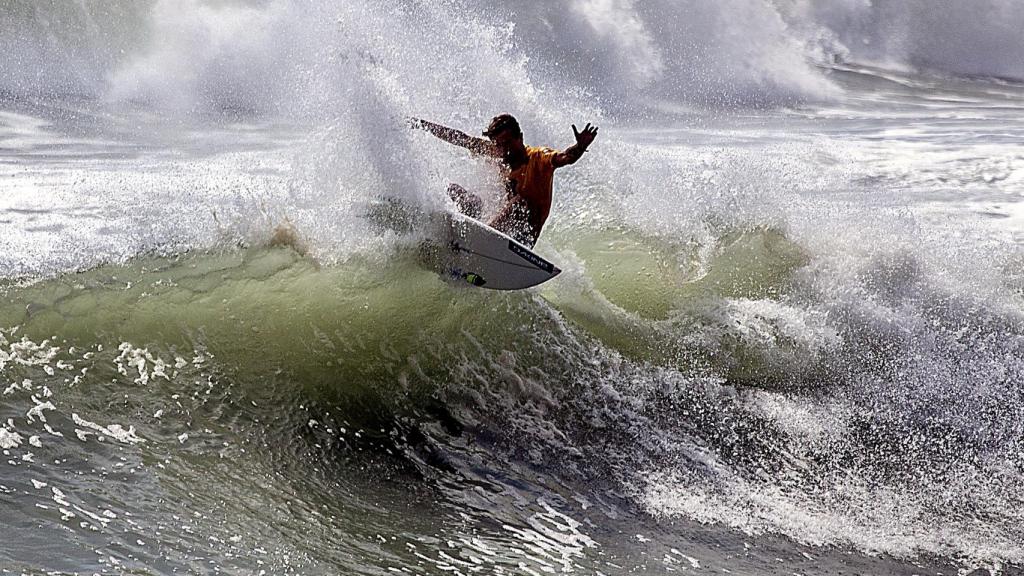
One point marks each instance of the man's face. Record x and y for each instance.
(509, 143)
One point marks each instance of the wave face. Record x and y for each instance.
(788, 325)
(763, 398)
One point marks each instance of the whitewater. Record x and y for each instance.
(788, 337)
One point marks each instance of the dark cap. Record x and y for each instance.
(501, 123)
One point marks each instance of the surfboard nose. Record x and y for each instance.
(482, 256)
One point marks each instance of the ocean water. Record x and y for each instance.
(788, 338)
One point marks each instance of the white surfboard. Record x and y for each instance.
(466, 251)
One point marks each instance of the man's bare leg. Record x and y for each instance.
(469, 204)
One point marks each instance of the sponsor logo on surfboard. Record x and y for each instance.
(531, 257)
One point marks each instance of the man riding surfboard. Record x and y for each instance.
(528, 171)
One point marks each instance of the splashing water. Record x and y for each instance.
(787, 336)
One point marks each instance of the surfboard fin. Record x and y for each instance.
(474, 279)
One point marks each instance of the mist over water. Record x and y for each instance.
(976, 40)
(272, 56)
(789, 324)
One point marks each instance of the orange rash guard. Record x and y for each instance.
(530, 184)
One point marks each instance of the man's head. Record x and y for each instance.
(505, 133)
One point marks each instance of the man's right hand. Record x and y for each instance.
(456, 137)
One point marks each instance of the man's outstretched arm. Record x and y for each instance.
(573, 153)
(456, 137)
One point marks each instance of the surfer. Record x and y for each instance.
(528, 171)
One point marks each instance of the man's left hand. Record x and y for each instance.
(584, 138)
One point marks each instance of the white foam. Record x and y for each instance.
(115, 431)
(37, 411)
(9, 439)
(874, 519)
